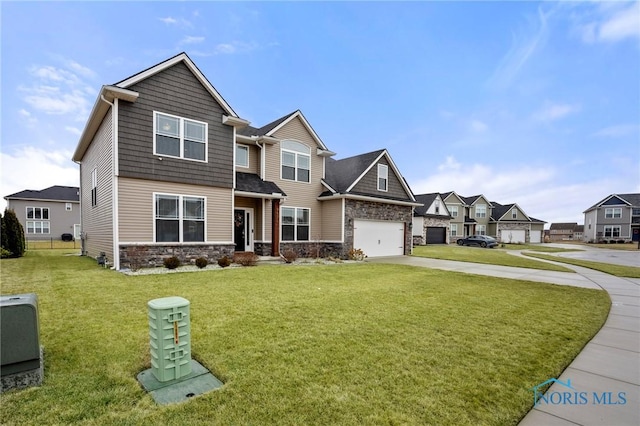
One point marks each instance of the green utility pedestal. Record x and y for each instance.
(170, 338)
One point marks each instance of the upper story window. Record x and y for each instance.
(94, 187)
(38, 213)
(613, 213)
(296, 161)
(481, 210)
(179, 137)
(635, 212)
(179, 218)
(514, 213)
(383, 177)
(453, 210)
(437, 206)
(242, 156)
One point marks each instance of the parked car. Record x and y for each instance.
(478, 240)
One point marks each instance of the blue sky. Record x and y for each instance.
(536, 103)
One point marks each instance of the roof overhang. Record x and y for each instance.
(100, 109)
(236, 122)
(272, 196)
(367, 198)
(253, 139)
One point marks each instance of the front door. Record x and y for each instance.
(243, 229)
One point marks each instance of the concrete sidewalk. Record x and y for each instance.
(605, 376)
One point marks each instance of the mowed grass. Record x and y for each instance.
(300, 345)
(494, 256)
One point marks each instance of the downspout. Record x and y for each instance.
(262, 200)
(82, 239)
(114, 180)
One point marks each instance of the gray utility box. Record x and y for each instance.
(19, 334)
(170, 338)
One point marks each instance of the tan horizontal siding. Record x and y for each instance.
(332, 224)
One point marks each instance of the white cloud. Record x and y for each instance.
(181, 22)
(609, 22)
(235, 47)
(553, 112)
(191, 40)
(53, 168)
(73, 130)
(618, 131)
(478, 126)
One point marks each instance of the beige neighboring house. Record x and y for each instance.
(49, 213)
(167, 167)
(476, 215)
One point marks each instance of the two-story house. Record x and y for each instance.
(48, 213)
(477, 215)
(431, 221)
(616, 217)
(562, 231)
(167, 167)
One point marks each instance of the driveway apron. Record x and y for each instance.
(602, 384)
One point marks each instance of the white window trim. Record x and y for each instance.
(454, 230)
(246, 148)
(383, 173)
(295, 223)
(94, 187)
(296, 155)
(616, 213)
(68, 207)
(481, 214)
(41, 224)
(612, 227)
(453, 210)
(514, 213)
(481, 230)
(42, 210)
(182, 121)
(180, 218)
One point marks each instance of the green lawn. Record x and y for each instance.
(609, 268)
(494, 256)
(300, 345)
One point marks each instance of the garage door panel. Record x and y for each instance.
(436, 235)
(379, 238)
(512, 236)
(535, 236)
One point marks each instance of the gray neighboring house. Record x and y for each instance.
(431, 220)
(49, 213)
(616, 217)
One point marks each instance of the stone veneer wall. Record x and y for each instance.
(150, 256)
(432, 221)
(361, 209)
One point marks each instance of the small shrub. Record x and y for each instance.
(171, 262)
(224, 261)
(290, 255)
(356, 254)
(202, 262)
(4, 253)
(246, 259)
(620, 241)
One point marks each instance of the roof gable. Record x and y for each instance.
(503, 212)
(618, 200)
(449, 196)
(181, 57)
(428, 200)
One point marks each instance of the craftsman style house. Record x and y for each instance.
(508, 223)
(49, 213)
(431, 221)
(615, 218)
(167, 168)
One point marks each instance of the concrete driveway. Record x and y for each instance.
(595, 254)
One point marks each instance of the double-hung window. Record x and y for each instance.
(481, 210)
(242, 156)
(454, 229)
(514, 213)
(179, 137)
(38, 220)
(613, 213)
(94, 187)
(383, 177)
(179, 218)
(482, 230)
(453, 210)
(612, 231)
(295, 224)
(296, 161)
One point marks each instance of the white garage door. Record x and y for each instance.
(535, 236)
(512, 236)
(378, 237)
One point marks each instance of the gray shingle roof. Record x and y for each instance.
(341, 174)
(252, 131)
(427, 200)
(54, 193)
(250, 182)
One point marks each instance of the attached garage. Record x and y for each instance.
(436, 235)
(535, 236)
(512, 235)
(379, 237)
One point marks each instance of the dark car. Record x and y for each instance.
(478, 240)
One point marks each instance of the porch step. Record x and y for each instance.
(269, 260)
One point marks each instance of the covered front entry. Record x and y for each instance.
(379, 237)
(243, 229)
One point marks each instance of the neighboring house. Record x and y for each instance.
(431, 220)
(49, 213)
(578, 233)
(510, 224)
(167, 168)
(477, 215)
(616, 217)
(563, 231)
